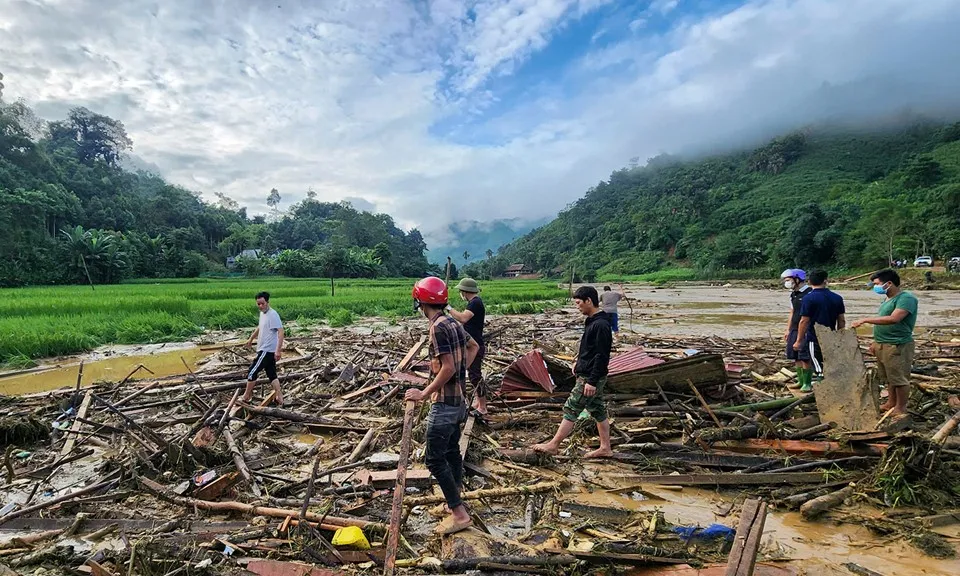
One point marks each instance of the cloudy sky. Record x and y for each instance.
(442, 110)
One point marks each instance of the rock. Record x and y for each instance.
(385, 460)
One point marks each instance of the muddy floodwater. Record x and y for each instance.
(743, 312)
(161, 361)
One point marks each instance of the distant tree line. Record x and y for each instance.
(70, 212)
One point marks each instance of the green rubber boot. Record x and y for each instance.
(806, 384)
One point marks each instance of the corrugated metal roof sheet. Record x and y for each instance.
(632, 360)
(529, 372)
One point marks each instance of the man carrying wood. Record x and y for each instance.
(794, 280)
(820, 306)
(269, 336)
(893, 343)
(472, 319)
(593, 359)
(451, 351)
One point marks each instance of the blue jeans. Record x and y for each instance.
(615, 321)
(443, 449)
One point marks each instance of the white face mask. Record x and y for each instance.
(788, 284)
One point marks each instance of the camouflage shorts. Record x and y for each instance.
(577, 402)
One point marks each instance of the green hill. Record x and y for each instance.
(817, 197)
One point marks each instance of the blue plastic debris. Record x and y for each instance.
(711, 532)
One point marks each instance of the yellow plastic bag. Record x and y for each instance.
(351, 536)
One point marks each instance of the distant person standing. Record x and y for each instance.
(472, 319)
(794, 280)
(609, 301)
(593, 360)
(269, 337)
(820, 306)
(893, 343)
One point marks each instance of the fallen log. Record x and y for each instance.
(767, 405)
(464, 564)
(734, 479)
(711, 435)
(488, 493)
(283, 414)
(326, 522)
(813, 508)
(362, 446)
(812, 431)
(947, 429)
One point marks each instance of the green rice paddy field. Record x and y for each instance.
(45, 321)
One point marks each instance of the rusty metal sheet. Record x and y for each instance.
(632, 360)
(529, 372)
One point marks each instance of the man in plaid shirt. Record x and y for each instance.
(451, 351)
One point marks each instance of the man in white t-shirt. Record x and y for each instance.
(269, 336)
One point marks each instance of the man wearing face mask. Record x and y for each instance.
(794, 280)
(893, 343)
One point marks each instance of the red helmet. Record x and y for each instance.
(430, 290)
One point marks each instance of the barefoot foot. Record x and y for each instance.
(545, 448)
(599, 453)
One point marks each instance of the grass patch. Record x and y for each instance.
(45, 321)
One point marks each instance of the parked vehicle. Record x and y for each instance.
(922, 261)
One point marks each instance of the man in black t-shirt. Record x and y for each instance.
(472, 319)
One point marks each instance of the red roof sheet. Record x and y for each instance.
(632, 360)
(529, 372)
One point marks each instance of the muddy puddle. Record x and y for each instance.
(46, 377)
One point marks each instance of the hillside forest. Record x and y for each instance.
(71, 213)
(841, 198)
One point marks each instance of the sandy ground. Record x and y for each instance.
(743, 312)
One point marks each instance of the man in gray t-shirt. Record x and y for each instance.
(269, 336)
(608, 303)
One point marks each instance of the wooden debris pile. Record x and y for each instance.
(177, 475)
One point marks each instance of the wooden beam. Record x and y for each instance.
(396, 512)
(733, 479)
(465, 436)
(743, 555)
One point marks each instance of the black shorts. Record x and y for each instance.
(264, 361)
(808, 352)
(476, 375)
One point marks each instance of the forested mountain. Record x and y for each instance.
(817, 197)
(473, 241)
(69, 212)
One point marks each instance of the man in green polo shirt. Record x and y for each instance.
(893, 343)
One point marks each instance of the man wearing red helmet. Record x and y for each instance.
(451, 351)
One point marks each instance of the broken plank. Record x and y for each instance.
(733, 479)
(281, 568)
(746, 545)
(77, 424)
(387, 478)
(755, 446)
(465, 436)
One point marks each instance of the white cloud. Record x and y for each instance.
(241, 97)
